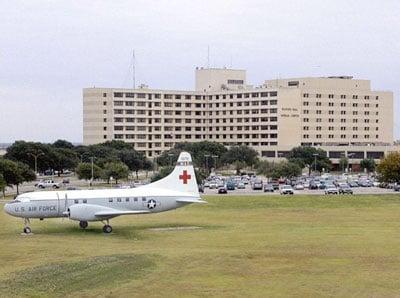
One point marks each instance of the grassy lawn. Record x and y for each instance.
(259, 246)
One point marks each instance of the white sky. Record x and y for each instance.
(50, 50)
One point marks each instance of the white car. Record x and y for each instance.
(286, 190)
(331, 190)
(47, 184)
(299, 186)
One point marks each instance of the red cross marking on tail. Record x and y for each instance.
(185, 177)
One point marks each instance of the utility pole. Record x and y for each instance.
(206, 157)
(315, 161)
(91, 180)
(35, 156)
(215, 159)
(133, 70)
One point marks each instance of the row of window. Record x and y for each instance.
(367, 128)
(342, 120)
(189, 96)
(332, 112)
(342, 96)
(121, 103)
(84, 201)
(331, 136)
(342, 104)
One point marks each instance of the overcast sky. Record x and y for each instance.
(50, 50)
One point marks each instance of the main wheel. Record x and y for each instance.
(27, 230)
(83, 224)
(107, 229)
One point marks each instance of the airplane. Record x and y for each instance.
(176, 190)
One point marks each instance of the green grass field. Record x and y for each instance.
(258, 246)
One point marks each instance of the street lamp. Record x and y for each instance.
(315, 161)
(206, 156)
(170, 158)
(35, 156)
(215, 158)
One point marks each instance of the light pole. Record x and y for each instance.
(91, 180)
(206, 156)
(215, 159)
(170, 158)
(35, 156)
(315, 161)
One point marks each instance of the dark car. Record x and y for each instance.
(222, 190)
(275, 185)
(396, 187)
(269, 188)
(230, 185)
(257, 185)
(313, 185)
(345, 189)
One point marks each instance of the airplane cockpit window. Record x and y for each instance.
(15, 201)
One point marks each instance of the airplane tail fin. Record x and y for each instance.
(182, 178)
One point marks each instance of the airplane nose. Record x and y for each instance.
(7, 208)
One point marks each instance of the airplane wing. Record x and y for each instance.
(115, 212)
(191, 201)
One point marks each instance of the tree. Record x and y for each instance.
(310, 157)
(116, 170)
(285, 169)
(368, 164)
(164, 172)
(133, 159)
(84, 171)
(64, 159)
(265, 168)
(241, 156)
(63, 144)
(343, 163)
(389, 168)
(24, 174)
(3, 185)
(15, 173)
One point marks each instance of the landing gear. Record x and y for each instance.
(83, 224)
(107, 229)
(27, 229)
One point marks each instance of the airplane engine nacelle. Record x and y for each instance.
(85, 212)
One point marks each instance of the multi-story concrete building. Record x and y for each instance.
(338, 114)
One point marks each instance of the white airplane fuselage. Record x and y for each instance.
(50, 204)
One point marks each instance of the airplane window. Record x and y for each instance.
(135, 199)
(119, 200)
(144, 199)
(110, 200)
(84, 201)
(127, 199)
(76, 201)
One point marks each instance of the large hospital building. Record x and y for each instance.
(339, 114)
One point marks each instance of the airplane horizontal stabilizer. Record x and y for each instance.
(107, 213)
(191, 201)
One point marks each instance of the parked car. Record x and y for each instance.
(396, 187)
(299, 186)
(345, 189)
(313, 185)
(353, 184)
(230, 185)
(222, 190)
(213, 185)
(275, 185)
(331, 189)
(268, 188)
(257, 185)
(241, 185)
(286, 190)
(47, 184)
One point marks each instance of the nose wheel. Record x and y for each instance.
(83, 224)
(27, 229)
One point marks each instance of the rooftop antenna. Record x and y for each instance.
(133, 70)
(208, 56)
